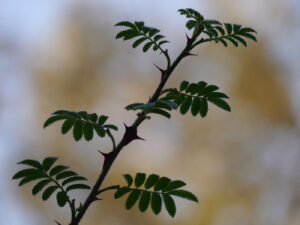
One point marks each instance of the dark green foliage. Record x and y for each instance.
(163, 191)
(149, 35)
(195, 97)
(83, 123)
(50, 176)
(217, 31)
(158, 107)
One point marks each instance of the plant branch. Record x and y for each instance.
(140, 118)
(112, 138)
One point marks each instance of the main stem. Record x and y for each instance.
(141, 117)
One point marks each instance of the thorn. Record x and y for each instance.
(163, 72)
(57, 222)
(160, 69)
(106, 156)
(97, 199)
(190, 54)
(130, 135)
(188, 39)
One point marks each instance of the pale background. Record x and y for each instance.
(243, 166)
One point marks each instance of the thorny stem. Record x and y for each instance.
(140, 118)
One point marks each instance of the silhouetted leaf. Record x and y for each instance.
(151, 181)
(48, 192)
(77, 186)
(121, 191)
(65, 174)
(139, 179)
(39, 186)
(161, 183)
(132, 198)
(73, 179)
(220, 103)
(57, 169)
(78, 131)
(184, 194)
(156, 203)
(32, 163)
(67, 125)
(48, 162)
(61, 198)
(128, 179)
(169, 204)
(144, 201)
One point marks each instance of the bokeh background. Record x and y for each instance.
(244, 166)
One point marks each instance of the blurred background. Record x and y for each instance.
(243, 166)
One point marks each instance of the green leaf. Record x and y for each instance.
(192, 88)
(132, 198)
(139, 25)
(185, 106)
(93, 117)
(160, 112)
(247, 30)
(161, 183)
(61, 198)
(67, 125)
(151, 181)
(232, 41)
(204, 107)
(250, 36)
(169, 204)
(102, 119)
(26, 180)
(121, 191)
(48, 192)
(184, 84)
(127, 34)
(57, 169)
(210, 88)
(220, 103)
(72, 179)
(144, 201)
(48, 162)
(236, 28)
(26, 173)
(32, 163)
(157, 37)
(77, 186)
(78, 131)
(138, 42)
(175, 184)
(223, 42)
(196, 105)
(153, 32)
(147, 46)
(220, 29)
(100, 131)
(128, 179)
(126, 24)
(65, 174)
(88, 131)
(184, 194)
(139, 179)
(162, 42)
(156, 203)
(40, 185)
(241, 40)
(228, 27)
(111, 126)
(217, 95)
(53, 119)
